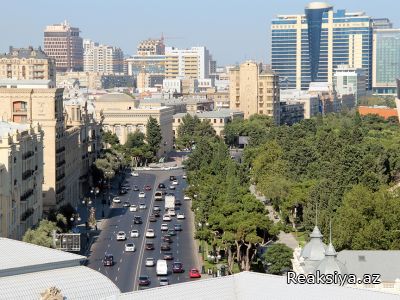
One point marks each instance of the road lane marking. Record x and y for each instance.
(116, 278)
(118, 269)
(99, 269)
(120, 260)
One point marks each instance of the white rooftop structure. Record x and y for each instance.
(9, 128)
(26, 83)
(249, 285)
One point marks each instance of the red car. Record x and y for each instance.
(194, 273)
(147, 188)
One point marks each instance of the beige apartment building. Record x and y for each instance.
(121, 114)
(102, 58)
(89, 80)
(21, 176)
(254, 90)
(151, 47)
(27, 64)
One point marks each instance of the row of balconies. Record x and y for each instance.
(59, 177)
(59, 150)
(27, 155)
(27, 194)
(29, 212)
(60, 163)
(60, 190)
(27, 174)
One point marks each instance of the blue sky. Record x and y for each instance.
(233, 30)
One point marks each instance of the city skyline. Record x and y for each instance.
(218, 26)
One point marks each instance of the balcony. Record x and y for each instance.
(59, 177)
(60, 190)
(27, 194)
(27, 155)
(27, 174)
(60, 163)
(29, 212)
(59, 150)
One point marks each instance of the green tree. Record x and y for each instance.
(278, 258)
(42, 235)
(135, 140)
(109, 138)
(153, 135)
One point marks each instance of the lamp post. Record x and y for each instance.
(75, 218)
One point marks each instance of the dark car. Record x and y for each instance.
(157, 214)
(172, 178)
(147, 188)
(123, 191)
(167, 239)
(137, 220)
(144, 280)
(108, 260)
(178, 202)
(125, 186)
(168, 256)
(178, 227)
(161, 186)
(149, 246)
(177, 267)
(165, 247)
(171, 187)
(171, 232)
(135, 188)
(152, 218)
(126, 204)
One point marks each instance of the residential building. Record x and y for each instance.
(310, 102)
(43, 105)
(172, 86)
(193, 63)
(217, 118)
(348, 81)
(220, 98)
(181, 104)
(149, 82)
(254, 90)
(121, 114)
(291, 112)
(152, 64)
(63, 43)
(27, 63)
(308, 47)
(102, 58)
(21, 176)
(328, 101)
(385, 61)
(88, 80)
(151, 47)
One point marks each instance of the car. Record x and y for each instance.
(158, 195)
(178, 202)
(161, 186)
(133, 207)
(149, 246)
(171, 232)
(142, 195)
(142, 206)
(164, 281)
(150, 233)
(171, 187)
(184, 176)
(166, 217)
(152, 218)
(135, 233)
(125, 187)
(175, 182)
(177, 267)
(135, 188)
(116, 200)
(156, 208)
(172, 178)
(194, 273)
(122, 192)
(180, 216)
(137, 220)
(157, 214)
(178, 227)
(126, 204)
(121, 236)
(171, 212)
(167, 239)
(164, 227)
(144, 280)
(168, 256)
(130, 247)
(150, 262)
(135, 174)
(147, 188)
(108, 260)
(165, 247)
(186, 198)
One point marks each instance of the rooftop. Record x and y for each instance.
(29, 52)
(223, 113)
(318, 5)
(110, 97)
(11, 128)
(39, 83)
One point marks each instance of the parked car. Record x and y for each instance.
(194, 273)
(177, 267)
(108, 260)
(121, 236)
(116, 200)
(184, 176)
(130, 247)
(144, 280)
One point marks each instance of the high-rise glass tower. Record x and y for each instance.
(310, 46)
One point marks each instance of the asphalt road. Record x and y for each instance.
(129, 266)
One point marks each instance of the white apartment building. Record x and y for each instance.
(102, 58)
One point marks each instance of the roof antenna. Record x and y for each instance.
(316, 214)
(330, 231)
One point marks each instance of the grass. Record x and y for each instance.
(301, 237)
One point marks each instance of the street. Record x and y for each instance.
(128, 266)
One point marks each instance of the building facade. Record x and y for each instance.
(102, 58)
(386, 61)
(254, 91)
(349, 81)
(151, 47)
(27, 64)
(310, 102)
(63, 43)
(308, 47)
(21, 176)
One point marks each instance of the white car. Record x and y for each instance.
(142, 195)
(135, 174)
(150, 233)
(166, 217)
(142, 206)
(133, 207)
(150, 262)
(180, 216)
(171, 212)
(130, 247)
(184, 176)
(175, 182)
(121, 236)
(135, 233)
(116, 200)
(156, 208)
(164, 281)
(164, 227)
(187, 198)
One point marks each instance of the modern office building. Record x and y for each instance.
(27, 63)
(21, 176)
(63, 43)
(386, 61)
(308, 47)
(254, 90)
(348, 81)
(102, 58)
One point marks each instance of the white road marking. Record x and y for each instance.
(118, 269)
(116, 278)
(177, 251)
(120, 260)
(99, 268)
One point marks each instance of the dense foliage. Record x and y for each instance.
(191, 130)
(342, 165)
(278, 258)
(153, 135)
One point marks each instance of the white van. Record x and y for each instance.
(162, 268)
